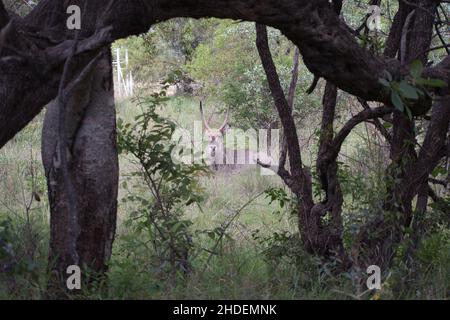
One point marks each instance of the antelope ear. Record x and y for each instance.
(225, 129)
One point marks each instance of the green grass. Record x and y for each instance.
(241, 270)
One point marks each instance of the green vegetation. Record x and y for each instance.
(189, 232)
(259, 256)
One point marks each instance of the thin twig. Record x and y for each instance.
(227, 225)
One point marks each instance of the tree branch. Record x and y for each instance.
(312, 25)
(340, 137)
(438, 32)
(4, 18)
(281, 104)
(376, 122)
(430, 153)
(291, 97)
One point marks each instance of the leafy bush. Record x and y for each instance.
(168, 187)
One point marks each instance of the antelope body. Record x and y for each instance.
(227, 159)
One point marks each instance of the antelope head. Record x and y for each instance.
(215, 136)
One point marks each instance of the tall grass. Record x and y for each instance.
(244, 266)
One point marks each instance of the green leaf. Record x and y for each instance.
(434, 83)
(437, 171)
(387, 125)
(407, 91)
(416, 68)
(397, 101)
(408, 112)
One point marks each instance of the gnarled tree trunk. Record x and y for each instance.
(93, 167)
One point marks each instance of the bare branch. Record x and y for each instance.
(281, 103)
(291, 97)
(418, 6)
(313, 85)
(438, 32)
(340, 137)
(437, 181)
(294, 79)
(405, 31)
(376, 121)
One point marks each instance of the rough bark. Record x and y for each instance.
(93, 166)
(395, 34)
(377, 240)
(417, 35)
(327, 172)
(297, 178)
(408, 172)
(432, 149)
(323, 239)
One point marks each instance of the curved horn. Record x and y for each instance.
(225, 121)
(205, 123)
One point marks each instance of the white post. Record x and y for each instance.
(119, 80)
(126, 81)
(131, 83)
(125, 84)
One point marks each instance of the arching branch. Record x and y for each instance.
(340, 137)
(312, 25)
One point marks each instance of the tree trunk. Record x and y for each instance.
(323, 239)
(408, 171)
(93, 167)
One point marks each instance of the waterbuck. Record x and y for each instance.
(231, 149)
